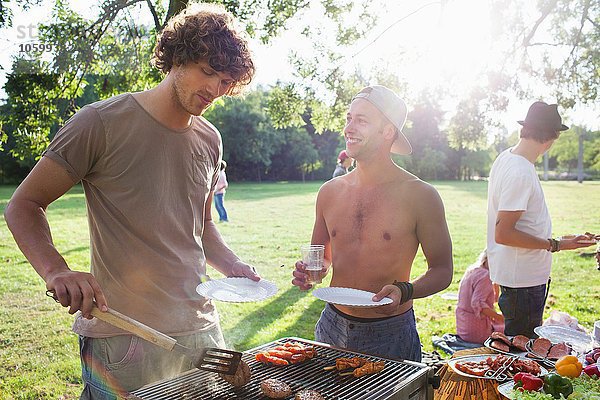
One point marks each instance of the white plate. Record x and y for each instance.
(237, 290)
(449, 296)
(349, 297)
(453, 361)
(505, 389)
(556, 334)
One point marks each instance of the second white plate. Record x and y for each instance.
(557, 333)
(349, 297)
(237, 290)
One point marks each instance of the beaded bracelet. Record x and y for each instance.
(554, 245)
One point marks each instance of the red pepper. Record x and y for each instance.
(592, 370)
(528, 381)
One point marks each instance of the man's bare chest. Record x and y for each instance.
(376, 216)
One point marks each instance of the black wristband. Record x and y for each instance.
(406, 289)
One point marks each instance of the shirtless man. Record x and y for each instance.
(372, 241)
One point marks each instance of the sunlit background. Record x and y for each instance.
(445, 44)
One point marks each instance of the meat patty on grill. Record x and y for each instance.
(308, 395)
(241, 377)
(275, 389)
(520, 342)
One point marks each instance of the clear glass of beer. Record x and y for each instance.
(312, 257)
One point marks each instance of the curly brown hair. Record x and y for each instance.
(205, 32)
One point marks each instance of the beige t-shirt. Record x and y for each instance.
(145, 187)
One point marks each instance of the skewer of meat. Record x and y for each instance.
(342, 363)
(370, 367)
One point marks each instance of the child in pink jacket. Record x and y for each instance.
(476, 317)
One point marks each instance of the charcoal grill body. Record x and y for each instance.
(400, 380)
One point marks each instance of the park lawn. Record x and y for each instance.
(269, 222)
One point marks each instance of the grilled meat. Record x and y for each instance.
(241, 377)
(342, 364)
(308, 395)
(558, 350)
(371, 367)
(541, 346)
(499, 345)
(266, 358)
(520, 342)
(275, 389)
(472, 368)
(288, 353)
(501, 336)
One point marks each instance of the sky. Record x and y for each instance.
(447, 44)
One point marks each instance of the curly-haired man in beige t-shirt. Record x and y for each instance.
(148, 163)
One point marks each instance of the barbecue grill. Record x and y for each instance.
(399, 380)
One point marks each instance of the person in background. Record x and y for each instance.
(222, 184)
(476, 317)
(343, 163)
(149, 164)
(519, 229)
(371, 242)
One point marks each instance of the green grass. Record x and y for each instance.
(269, 222)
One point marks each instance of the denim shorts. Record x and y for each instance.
(523, 308)
(114, 366)
(394, 337)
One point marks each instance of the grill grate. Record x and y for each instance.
(197, 385)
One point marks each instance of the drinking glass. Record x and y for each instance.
(312, 257)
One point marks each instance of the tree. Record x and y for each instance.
(555, 42)
(467, 131)
(110, 50)
(430, 156)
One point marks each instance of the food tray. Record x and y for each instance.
(478, 358)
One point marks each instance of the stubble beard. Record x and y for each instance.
(178, 96)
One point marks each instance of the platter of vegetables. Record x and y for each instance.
(572, 380)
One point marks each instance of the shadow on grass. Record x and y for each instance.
(272, 312)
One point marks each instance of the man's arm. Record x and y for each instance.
(26, 218)
(320, 235)
(432, 233)
(218, 254)
(507, 234)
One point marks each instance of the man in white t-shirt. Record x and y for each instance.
(519, 229)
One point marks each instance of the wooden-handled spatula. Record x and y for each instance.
(208, 359)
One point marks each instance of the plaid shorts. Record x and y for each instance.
(394, 337)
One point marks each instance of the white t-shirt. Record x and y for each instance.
(515, 186)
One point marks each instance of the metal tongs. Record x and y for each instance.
(499, 374)
(208, 358)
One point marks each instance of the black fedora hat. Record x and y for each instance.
(544, 116)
